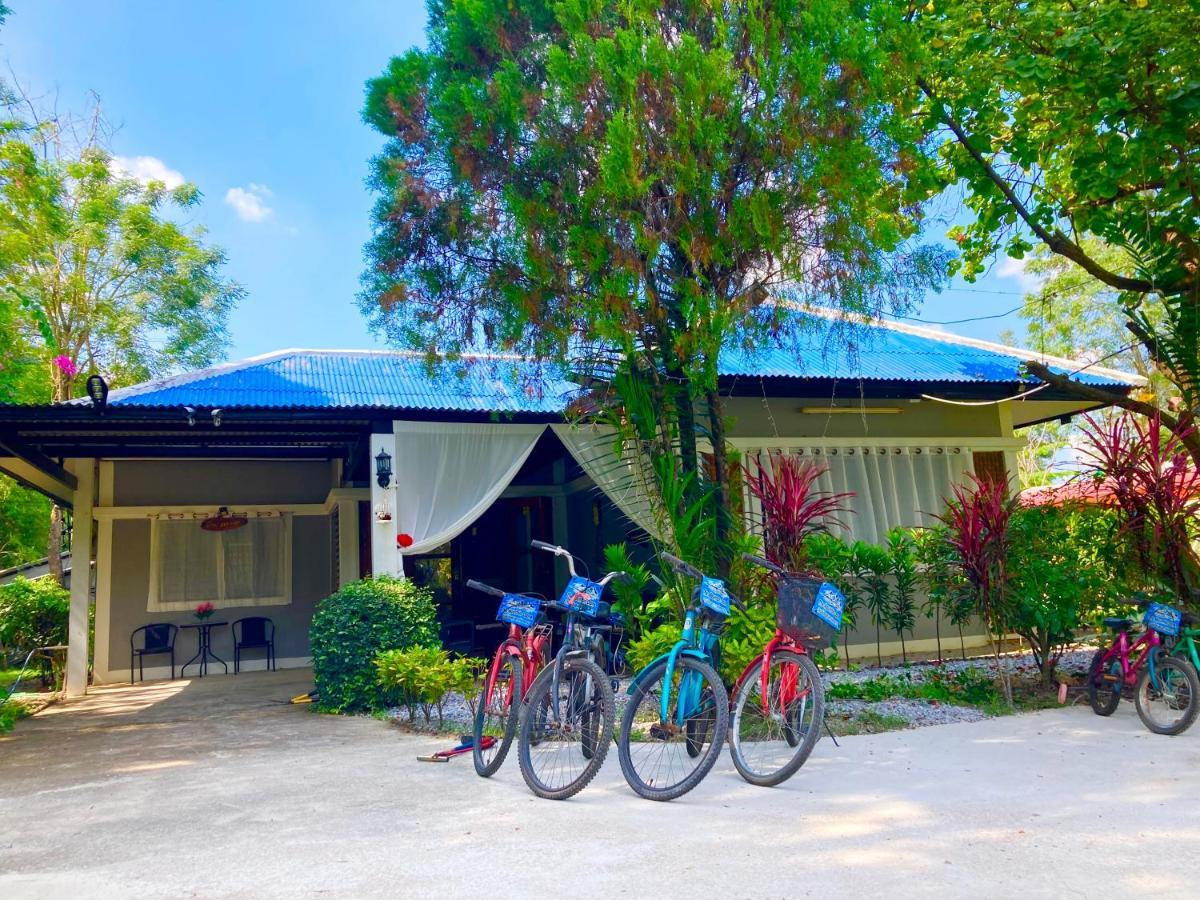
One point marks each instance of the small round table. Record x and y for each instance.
(204, 648)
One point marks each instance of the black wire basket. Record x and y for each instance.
(796, 615)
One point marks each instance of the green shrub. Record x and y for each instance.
(652, 644)
(422, 677)
(34, 614)
(10, 712)
(351, 627)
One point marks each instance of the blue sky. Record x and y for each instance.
(258, 104)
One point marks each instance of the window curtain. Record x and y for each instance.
(249, 566)
(447, 475)
(625, 479)
(891, 485)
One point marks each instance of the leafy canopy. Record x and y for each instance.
(639, 174)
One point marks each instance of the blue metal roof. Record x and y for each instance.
(329, 379)
(825, 348)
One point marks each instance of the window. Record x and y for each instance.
(249, 566)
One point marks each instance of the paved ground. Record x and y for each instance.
(219, 789)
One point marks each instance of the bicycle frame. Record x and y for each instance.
(528, 645)
(788, 692)
(1185, 646)
(577, 629)
(1122, 649)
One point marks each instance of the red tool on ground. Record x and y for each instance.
(466, 744)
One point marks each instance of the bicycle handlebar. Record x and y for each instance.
(692, 572)
(486, 588)
(570, 558)
(764, 562)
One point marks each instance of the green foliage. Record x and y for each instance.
(902, 566)
(653, 643)
(422, 677)
(23, 517)
(1074, 125)
(745, 636)
(1067, 573)
(33, 614)
(95, 269)
(10, 712)
(351, 627)
(969, 687)
(871, 567)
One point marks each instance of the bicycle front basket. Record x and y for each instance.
(517, 609)
(1163, 619)
(582, 596)
(810, 610)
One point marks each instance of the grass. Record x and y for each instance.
(866, 722)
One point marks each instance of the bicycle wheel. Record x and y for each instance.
(496, 717)
(656, 756)
(560, 754)
(1168, 695)
(1104, 684)
(772, 734)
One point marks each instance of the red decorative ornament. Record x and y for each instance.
(404, 541)
(224, 520)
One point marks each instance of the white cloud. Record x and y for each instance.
(146, 169)
(1015, 269)
(250, 202)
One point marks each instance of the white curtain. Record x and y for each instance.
(891, 485)
(248, 566)
(447, 475)
(625, 479)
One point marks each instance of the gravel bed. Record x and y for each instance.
(1016, 663)
(919, 713)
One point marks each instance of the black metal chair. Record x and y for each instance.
(253, 633)
(158, 639)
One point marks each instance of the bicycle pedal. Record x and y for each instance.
(663, 731)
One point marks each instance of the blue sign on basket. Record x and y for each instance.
(582, 596)
(517, 609)
(828, 606)
(714, 595)
(1163, 619)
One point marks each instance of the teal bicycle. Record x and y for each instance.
(677, 716)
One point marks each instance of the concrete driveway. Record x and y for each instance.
(220, 789)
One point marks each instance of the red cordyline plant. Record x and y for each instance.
(793, 507)
(1146, 473)
(977, 518)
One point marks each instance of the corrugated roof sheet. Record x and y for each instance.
(329, 379)
(826, 347)
(332, 379)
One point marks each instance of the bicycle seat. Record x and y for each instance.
(603, 611)
(1188, 619)
(1117, 623)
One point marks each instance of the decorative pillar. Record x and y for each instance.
(84, 470)
(385, 556)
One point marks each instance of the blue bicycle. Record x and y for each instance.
(677, 716)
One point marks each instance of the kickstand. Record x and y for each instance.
(829, 731)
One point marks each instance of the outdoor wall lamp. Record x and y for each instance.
(383, 468)
(97, 389)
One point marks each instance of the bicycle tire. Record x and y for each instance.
(486, 767)
(596, 719)
(793, 735)
(1166, 668)
(1104, 696)
(648, 682)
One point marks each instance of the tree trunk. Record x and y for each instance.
(937, 631)
(54, 563)
(721, 493)
(962, 643)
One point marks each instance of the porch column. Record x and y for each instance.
(347, 542)
(84, 470)
(385, 558)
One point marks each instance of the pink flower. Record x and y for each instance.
(66, 365)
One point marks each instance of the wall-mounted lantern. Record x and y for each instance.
(383, 468)
(97, 390)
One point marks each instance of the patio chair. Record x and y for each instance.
(158, 639)
(253, 633)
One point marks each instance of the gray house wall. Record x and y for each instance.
(162, 484)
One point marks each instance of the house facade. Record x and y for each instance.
(347, 463)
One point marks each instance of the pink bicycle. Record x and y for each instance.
(1165, 688)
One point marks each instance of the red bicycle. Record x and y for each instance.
(779, 700)
(516, 664)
